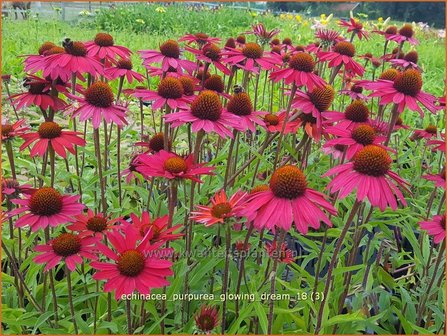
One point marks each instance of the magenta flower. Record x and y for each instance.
(50, 133)
(206, 113)
(171, 166)
(199, 38)
(274, 123)
(38, 94)
(405, 91)
(250, 58)
(169, 92)
(355, 139)
(133, 266)
(157, 230)
(92, 224)
(46, 207)
(300, 71)
(69, 247)
(10, 131)
(211, 54)
(404, 34)
(435, 227)
(221, 208)
(438, 179)
(98, 104)
(342, 54)
(123, 68)
(370, 173)
(168, 56)
(103, 47)
(75, 60)
(287, 201)
(354, 26)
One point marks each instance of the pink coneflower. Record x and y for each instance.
(354, 26)
(342, 54)
(199, 38)
(10, 131)
(206, 113)
(74, 60)
(274, 123)
(153, 144)
(156, 230)
(221, 208)
(355, 139)
(311, 125)
(241, 106)
(405, 33)
(215, 83)
(355, 92)
(410, 60)
(300, 71)
(171, 166)
(168, 56)
(355, 114)
(370, 173)
(38, 94)
(285, 255)
(103, 47)
(404, 90)
(50, 133)
(336, 151)
(314, 103)
(131, 171)
(264, 36)
(428, 132)
(69, 247)
(207, 318)
(435, 227)
(158, 72)
(400, 124)
(35, 63)
(287, 201)
(438, 144)
(250, 58)
(98, 104)
(387, 32)
(327, 38)
(211, 54)
(123, 68)
(46, 207)
(170, 91)
(12, 189)
(438, 179)
(133, 266)
(92, 224)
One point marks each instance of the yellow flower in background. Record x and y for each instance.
(324, 22)
(380, 19)
(298, 18)
(323, 16)
(305, 23)
(289, 16)
(254, 14)
(282, 16)
(140, 21)
(160, 10)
